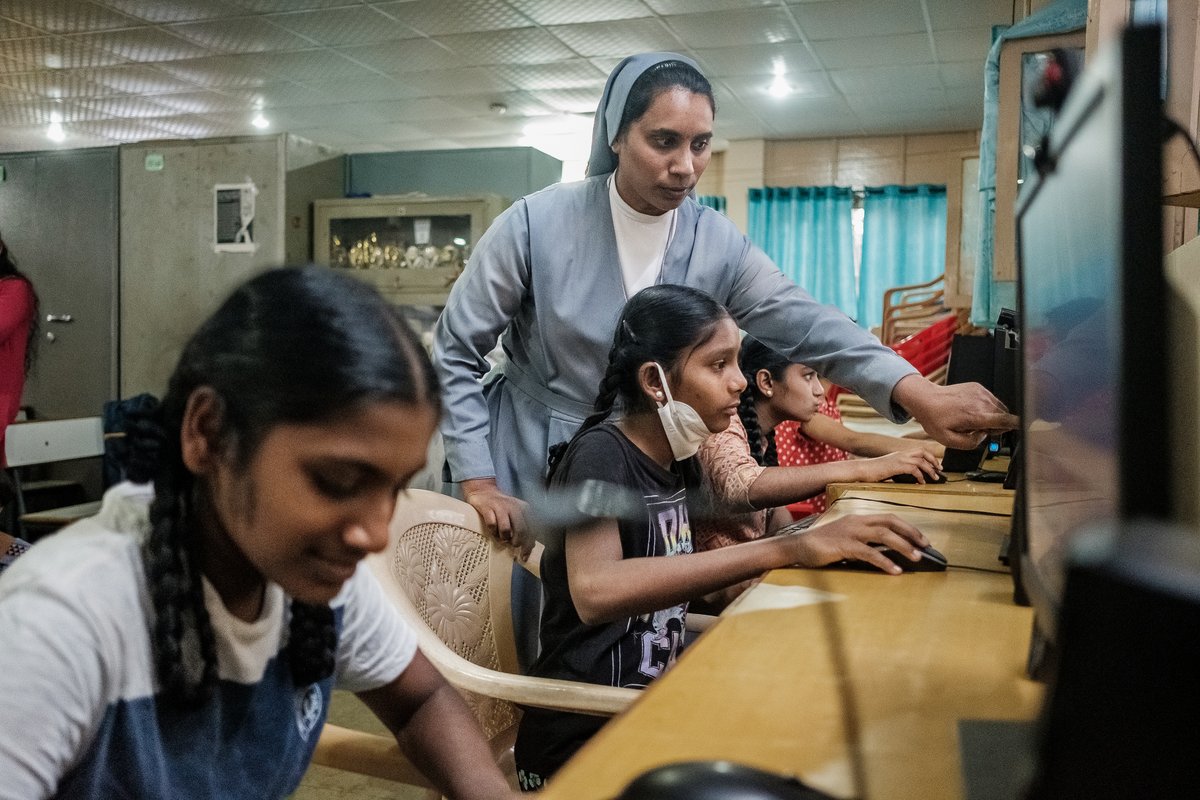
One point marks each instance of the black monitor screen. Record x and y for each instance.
(1093, 379)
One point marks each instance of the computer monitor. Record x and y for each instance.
(1094, 413)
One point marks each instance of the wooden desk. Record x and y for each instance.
(922, 651)
(956, 494)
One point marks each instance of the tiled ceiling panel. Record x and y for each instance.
(433, 17)
(619, 38)
(556, 12)
(735, 28)
(355, 25)
(369, 75)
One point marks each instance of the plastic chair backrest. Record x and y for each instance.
(454, 581)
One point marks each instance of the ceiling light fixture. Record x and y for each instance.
(54, 131)
(500, 109)
(260, 121)
(779, 87)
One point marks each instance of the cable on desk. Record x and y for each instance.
(899, 504)
(979, 569)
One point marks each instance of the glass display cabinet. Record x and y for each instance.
(412, 248)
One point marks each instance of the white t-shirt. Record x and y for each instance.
(77, 678)
(642, 241)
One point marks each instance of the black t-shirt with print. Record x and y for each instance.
(627, 652)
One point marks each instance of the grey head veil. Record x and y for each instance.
(602, 160)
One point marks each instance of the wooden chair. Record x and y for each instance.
(908, 309)
(451, 582)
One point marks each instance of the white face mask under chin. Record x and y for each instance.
(684, 428)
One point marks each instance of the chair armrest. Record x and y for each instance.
(366, 754)
(556, 695)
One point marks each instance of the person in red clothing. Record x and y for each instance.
(18, 337)
(823, 438)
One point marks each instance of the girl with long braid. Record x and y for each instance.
(184, 641)
(747, 486)
(617, 592)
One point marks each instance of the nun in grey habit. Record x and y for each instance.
(546, 279)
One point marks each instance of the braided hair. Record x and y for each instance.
(753, 357)
(291, 346)
(660, 324)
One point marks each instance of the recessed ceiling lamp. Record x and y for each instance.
(260, 121)
(54, 131)
(779, 86)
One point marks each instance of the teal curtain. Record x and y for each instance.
(807, 231)
(904, 242)
(714, 201)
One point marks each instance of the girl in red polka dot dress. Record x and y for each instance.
(823, 438)
(746, 483)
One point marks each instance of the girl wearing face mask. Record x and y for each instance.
(746, 483)
(617, 592)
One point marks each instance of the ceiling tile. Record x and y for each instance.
(618, 39)
(64, 16)
(666, 7)
(836, 20)
(306, 65)
(571, 74)
(911, 48)
(732, 28)
(719, 62)
(124, 106)
(448, 82)
(211, 71)
(556, 12)
(269, 6)
(57, 52)
(412, 55)
(244, 35)
(433, 17)
(963, 74)
(379, 89)
(345, 26)
(891, 103)
(14, 30)
(143, 44)
(520, 46)
(957, 14)
(803, 84)
(202, 102)
(878, 80)
(39, 111)
(139, 79)
(519, 105)
(58, 84)
(573, 101)
(971, 44)
(173, 11)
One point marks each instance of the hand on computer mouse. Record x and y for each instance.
(921, 465)
(905, 477)
(857, 538)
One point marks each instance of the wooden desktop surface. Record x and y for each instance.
(922, 651)
(956, 494)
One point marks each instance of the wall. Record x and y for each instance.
(170, 277)
(511, 172)
(313, 172)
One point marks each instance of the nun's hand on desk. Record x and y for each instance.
(503, 515)
(959, 415)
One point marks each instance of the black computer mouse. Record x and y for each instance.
(716, 780)
(931, 561)
(906, 477)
